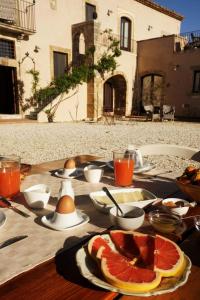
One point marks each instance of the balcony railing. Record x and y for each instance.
(193, 39)
(18, 15)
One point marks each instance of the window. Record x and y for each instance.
(125, 34)
(196, 82)
(90, 11)
(7, 48)
(60, 63)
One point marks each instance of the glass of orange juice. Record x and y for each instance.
(123, 168)
(9, 175)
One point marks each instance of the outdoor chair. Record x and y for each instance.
(173, 150)
(150, 113)
(168, 112)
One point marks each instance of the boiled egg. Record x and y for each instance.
(65, 205)
(70, 164)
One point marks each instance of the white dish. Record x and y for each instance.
(37, 196)
(178, 210)
(105, 206)
(146, 167)
(77, 173)
(2, 218)
(47, 220)
(88, 267)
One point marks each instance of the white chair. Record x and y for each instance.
(174, 150)
(168, 112)
(150, 113)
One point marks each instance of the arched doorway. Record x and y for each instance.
(114, 99)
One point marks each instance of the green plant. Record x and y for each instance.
(32, 101)
(77, 75)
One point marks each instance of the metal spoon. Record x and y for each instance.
(113, 200)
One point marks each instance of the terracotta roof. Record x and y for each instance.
(162, 9)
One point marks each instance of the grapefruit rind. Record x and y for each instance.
(178, 268)
(119, 271)
(140, 284)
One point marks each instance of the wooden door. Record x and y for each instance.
(8, 99)
(108, 97)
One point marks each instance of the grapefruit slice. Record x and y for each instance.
(119, 272)
(135, 244)
(169, 260)
(124, 243)
(95, 243)
(157, 253)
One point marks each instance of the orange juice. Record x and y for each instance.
(123, 169)
(9, 176)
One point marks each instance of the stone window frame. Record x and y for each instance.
(91, 2)
(125, 14)
(123, 21)
(61, 50)
(196, 82)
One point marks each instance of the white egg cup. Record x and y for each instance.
(68, 172)
(37, 196)
(66, 220)
(93, 174)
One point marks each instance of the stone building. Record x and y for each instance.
(48, 34)
(168, 72)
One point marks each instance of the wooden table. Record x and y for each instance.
(59, 278)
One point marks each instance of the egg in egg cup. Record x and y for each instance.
(65, 214)
(69, 167)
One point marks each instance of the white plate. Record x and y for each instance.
(77, 173)
(46, 220)
(88, 267)
(146, 167)
(2, 218)
(106, 207)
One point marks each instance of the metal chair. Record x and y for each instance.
(150, 113)
(168, 112)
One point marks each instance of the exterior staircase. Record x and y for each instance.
(41, 105)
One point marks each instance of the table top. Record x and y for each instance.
(59, 278)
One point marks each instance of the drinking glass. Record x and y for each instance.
(9, 175)
(123, 168)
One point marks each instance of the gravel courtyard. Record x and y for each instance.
(36, 142)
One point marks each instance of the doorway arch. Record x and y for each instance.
(114, 97)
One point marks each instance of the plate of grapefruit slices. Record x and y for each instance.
(133, 263)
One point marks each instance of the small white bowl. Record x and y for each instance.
(66, 220)
(67, 172)
(177, 210)
(37, 196)
(133, 222)
(93, 173)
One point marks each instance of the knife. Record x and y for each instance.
(9, 205)
(12, 240)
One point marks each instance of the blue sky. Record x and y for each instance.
(190, 9)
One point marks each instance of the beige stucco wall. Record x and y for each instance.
(53, 29)
(159, 56)
(73, 108)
